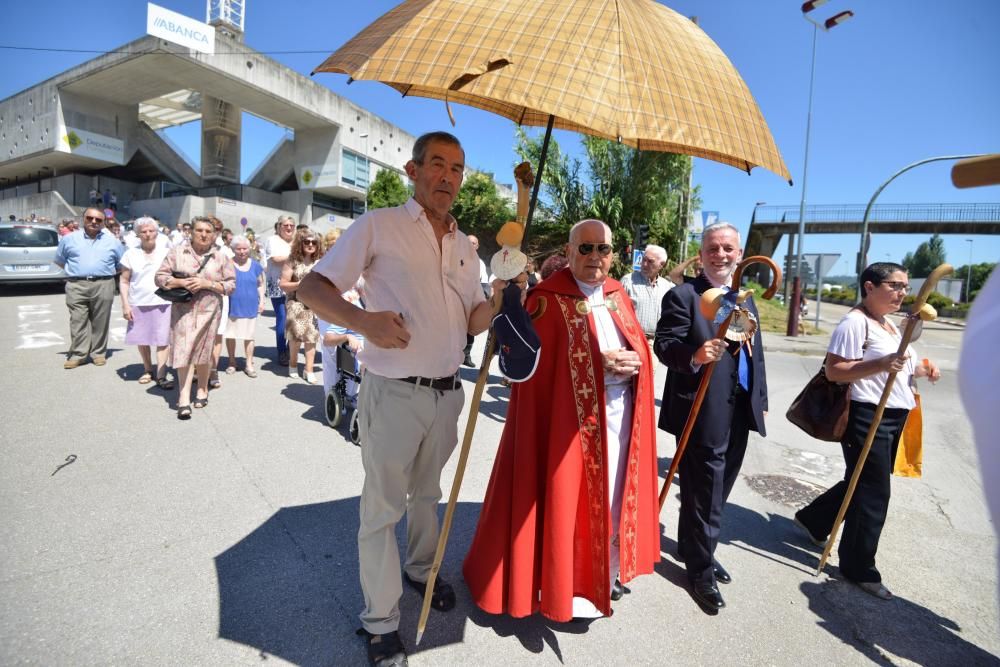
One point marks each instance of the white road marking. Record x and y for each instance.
(31, 318)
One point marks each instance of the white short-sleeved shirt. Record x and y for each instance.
(434, 289)
(847, 342)
(141, 288)
(275, 247)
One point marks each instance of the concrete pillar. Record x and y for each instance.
(221, 133)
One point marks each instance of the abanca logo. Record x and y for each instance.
(170, 26)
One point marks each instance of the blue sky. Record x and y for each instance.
(902, 81)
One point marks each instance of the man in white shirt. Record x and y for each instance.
(423, 297)
(646, 288)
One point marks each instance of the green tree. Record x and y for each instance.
(387, 190)
(980, 274)
(927, 257)
(632, 187)
(480, 210)
(626, 187)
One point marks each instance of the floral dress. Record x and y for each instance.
(300, 323)
(193, 324)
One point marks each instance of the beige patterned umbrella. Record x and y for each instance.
(631, 70)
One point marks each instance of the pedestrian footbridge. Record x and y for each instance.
(770, 223)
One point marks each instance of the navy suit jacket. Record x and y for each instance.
(680, 332)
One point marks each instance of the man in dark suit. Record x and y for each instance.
(735, 404)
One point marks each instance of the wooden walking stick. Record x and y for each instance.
(710, 302)
(524, 178)
(921, 311)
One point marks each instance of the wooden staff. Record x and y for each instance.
(710, 367)
(911, 322)
(524, 178)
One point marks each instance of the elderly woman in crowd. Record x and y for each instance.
(276, 252)
(300, 326)
(863, 350)
(148, 315)
(220, 244)
(208, 274)
(245, 304)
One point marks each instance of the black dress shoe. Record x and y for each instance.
(708, 596)
(617, 591)
(721, 575)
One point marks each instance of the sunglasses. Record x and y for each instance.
(309, 242)
(603, 249)
(93, 218)
(897, 286)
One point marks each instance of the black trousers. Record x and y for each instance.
(708, 471)
(870, 503)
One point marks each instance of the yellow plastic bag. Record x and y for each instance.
(910, 453)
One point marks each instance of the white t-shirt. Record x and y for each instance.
(275, 247)
(847, 341)
(141, 288)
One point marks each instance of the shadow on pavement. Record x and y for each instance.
(534, 632)
(308, 394)
(887, 631)
(290, 588)
(771, 536)
(496, 400)
(32, 289)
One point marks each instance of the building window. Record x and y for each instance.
(356, 170)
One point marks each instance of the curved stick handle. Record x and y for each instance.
(759, 259)
(911, 323)
(929, 284)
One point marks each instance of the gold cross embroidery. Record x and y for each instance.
(580, 355)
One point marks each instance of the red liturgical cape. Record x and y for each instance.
(544, 532)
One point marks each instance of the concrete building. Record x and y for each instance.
(99, 127)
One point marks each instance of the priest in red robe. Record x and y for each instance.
(572, 501)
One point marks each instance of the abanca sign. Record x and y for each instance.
(180, 29)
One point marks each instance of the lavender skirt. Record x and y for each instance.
(150, 325)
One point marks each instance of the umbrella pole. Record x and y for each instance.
(911, 323)
(539, 174)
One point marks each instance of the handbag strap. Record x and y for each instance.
(209, 256)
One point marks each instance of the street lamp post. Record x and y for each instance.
(968, 277)
(863, 251)
(832, 22)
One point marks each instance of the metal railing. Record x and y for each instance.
(902, 213)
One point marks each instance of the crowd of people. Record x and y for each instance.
(571, 512)
(224, 279)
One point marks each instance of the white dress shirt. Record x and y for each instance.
(435, 289)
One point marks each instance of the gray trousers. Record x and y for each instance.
(407, 435)
(89, 305)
